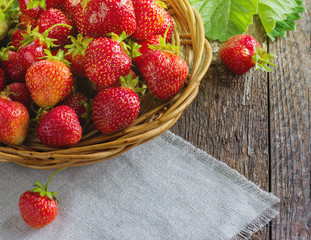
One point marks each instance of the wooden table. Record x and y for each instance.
(260, 125)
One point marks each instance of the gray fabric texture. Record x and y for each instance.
(163, 189)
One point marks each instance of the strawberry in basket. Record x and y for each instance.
(14, 120)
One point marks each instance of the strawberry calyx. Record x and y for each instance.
(163, 46)
(39, 113)
(4, 52)
(262, 58)
(161, 3)
(135, 84)
(78, 46)
(33, 34)
(84, 4)
(121, 40)
(58, 57)
(35, 3)
(43, 190)
(7, 92)
(88, 113)
(134, 48)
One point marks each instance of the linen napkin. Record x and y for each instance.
(163, 189)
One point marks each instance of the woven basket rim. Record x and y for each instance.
(161, 115)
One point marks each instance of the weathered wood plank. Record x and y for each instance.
(290, 106)
(229, 120)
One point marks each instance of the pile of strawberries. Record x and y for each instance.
(69, 63)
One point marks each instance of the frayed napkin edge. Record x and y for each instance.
(260, 221)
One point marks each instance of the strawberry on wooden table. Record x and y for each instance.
(106, 61)
(38, 207)
(242, 52)
(59, 127)
(14, 120)
(49, 81)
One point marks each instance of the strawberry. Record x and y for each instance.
(242, 52)
(164, 72)
(69, 7)
(144, 48)
(25, 20)
(76, 54)
(150, 18)
(2, 79)
(168, 23)
(80, 104)
(106, 61)
(12, 65)
(52, 17)
(115, 16)
(14, 121)
(115, 109)
(34, 44)
(49, 81)
(17, 38)
(59, 127)
(20, 93)
(38, 207)
(32, 11)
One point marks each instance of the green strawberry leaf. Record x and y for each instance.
(271, 11)
(225, 18)
(281, 27)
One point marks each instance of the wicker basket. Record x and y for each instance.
(155, 116)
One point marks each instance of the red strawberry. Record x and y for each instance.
(115, 109)
(59, 127)
(115, 16)
(69, 7)
(34, 44)
(80, 104)
(14, 121)
(242, 52)
(150, 18)
(118, 83)
(167, 23)
(25, 21)
(17, 38)
(164, 72)
(144, 49)
(33, 12)
(49, 81)
(76, 54)
(52, 17)
(38, 207)
(2, 79)
(20, 93)
(106, 61)
(12, 66)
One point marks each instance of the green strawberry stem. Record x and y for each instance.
(262, 59)
(78, 46)
(8, 6)
(34, 33)
(163, 46)
(43, 190)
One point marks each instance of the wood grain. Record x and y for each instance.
(229, 120)
(290, 111)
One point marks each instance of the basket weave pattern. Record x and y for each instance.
(155, 116)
